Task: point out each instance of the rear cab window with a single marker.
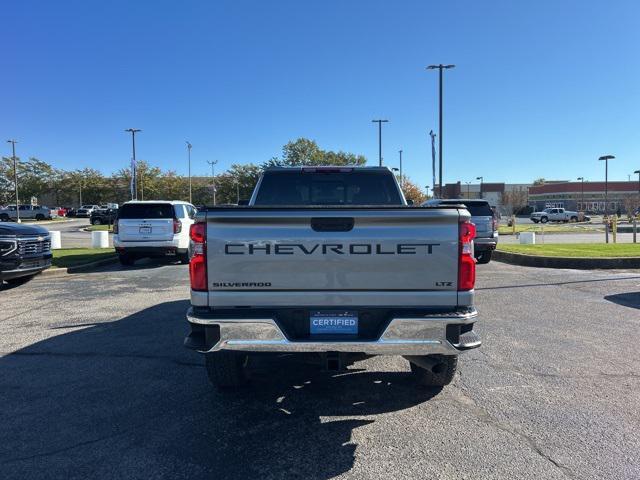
(146, 211)
(476, 209)
(331, 187)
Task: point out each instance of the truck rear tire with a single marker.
(126, 260)
(226, 370)
(441, 371)
(484, 257)
(544, 220)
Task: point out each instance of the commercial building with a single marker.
(505, 197)
(587, 197)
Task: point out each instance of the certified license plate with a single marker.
(333, 322)
(145, 230)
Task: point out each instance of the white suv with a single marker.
(156, 228)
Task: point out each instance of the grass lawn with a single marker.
(71, 257)
(567, 228)
(100, 228)
(576, 249)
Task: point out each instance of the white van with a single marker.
(154, 228)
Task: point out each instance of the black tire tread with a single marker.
(484, 257)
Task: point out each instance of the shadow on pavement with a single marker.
(142, 264)
(631, 299)
(126, 400)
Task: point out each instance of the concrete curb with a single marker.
(580, 263)
(82, 267)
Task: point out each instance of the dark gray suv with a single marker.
(485, 221)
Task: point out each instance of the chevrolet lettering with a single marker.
(329, 248)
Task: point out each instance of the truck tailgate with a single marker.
(332, 256)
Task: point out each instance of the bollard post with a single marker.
(606, 230)
(635, 229)
(56, 240)
(614, 228)
(100, 239)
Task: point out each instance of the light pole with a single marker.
(134, 166)
(606, 159)
(401, 177)
(379, 122)
(468, 191)
(638, 172)
(481, 182)
(427, 191)
(189, 161)
(581, 193)
(440, 68)
(433, 162)
(15, 175)
(213, 178)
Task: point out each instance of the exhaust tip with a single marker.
(439, 368)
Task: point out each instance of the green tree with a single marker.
(305, 152)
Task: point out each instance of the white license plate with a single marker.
(145, 230)
(333, 322)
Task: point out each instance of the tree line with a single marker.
(59, 187)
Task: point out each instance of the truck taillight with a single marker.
(198, 263)
(115, 226)
(466, 262)
(177, 226)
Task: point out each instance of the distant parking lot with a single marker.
(101, 387)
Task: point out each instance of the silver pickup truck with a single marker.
(331, 261)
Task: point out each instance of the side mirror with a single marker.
(410, 202)
(243, 203)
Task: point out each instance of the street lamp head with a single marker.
(637, 171)
(188, 145)
(133, 130)
(395, 169)
(433, 67)
(580, 178)
(480, 178)
(607, 157)
(383, 121)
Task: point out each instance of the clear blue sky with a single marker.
(540, 89)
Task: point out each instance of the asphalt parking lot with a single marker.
(95, 383)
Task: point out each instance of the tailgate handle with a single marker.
(340, 224)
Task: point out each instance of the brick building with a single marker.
(588, 197)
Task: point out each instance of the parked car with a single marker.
(32, 212)
(71, 212)
(332, 261)
(485, 220)
(554, 215)
(25, 250)
(104, 216)
(85, 211)
(59, 211)
(153, 229)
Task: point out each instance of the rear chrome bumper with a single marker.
(423, 335)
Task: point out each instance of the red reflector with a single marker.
(466, 273)
(198, 272)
